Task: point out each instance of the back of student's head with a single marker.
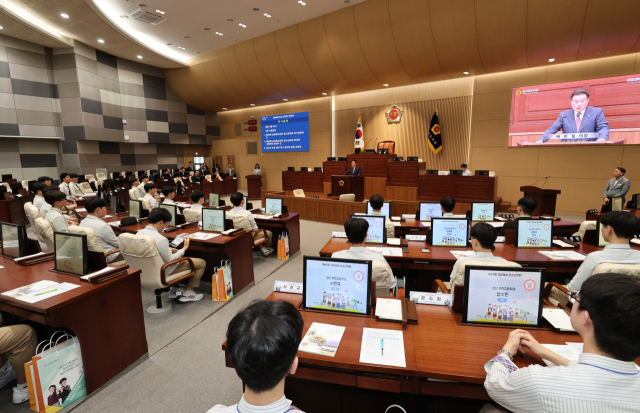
(38, 186)
(159, 214)
(484, 233)
(167, 190)
(447, 203)
(94, 203)
(528, 205)
(263, 341)
(63, 176)
(464, 165)
(143, 177)
(73, 175)
(149, 186)
(196, 196)
(377, 201)
(43, 179)
(51, 197)
(613, 303)
(624, 224)
(236, 199)
(356, 229)
(49, 189)
(133, 180)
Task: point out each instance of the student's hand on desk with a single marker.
(186, 244)
(173, 250)
(514, 342)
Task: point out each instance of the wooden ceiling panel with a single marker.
(294, 61)
(233, 72)
(193, 90)
(173, 78)
(313, 40)
(503, 44)
(603, 30)
(378, 46)
(346, 49)
(411, 25)
(269, 58)
(220, 91)
(248, 61)
(453, 23)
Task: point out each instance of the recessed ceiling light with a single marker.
(552, 60)
(267, 15)
(253, 104)
(286, 100)
(385, 85)
(1, 27)
(100, 41)
(219, 34)
(206, 28)
(324, 93)
(139, 57)
(256, 9)
(506, 66)
(465, 73)
(159, 11)
(302, 2)
(242, 25)
(187, 37)
(604, 52)
(224, 108)
(229, 20)
(65, 15)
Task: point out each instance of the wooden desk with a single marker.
(12, 211)
(405, 173)
(324, 209)
(371, 164)
(333, 168)
(277, 226)
(462, 188)
(107, 317)
(307, 181)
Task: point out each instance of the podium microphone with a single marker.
(545, 182)
(546, 177)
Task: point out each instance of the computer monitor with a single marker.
(114, 204)
(534, 233)
(455, 171)
(128, 173)
(331, 159)
(482, 172)
(398, 158)
(432, 172)
(317, 169)
(600, 240)
(291, 168)
(174, 211)
(6, 177)
(634, 201)
(337, 285)
(342, 158)
(30, 185)
(449, 232)
(377, 233)
(214, 200)
(412, 158)
(213, 219)
(246, 202)
(503, 295)
(134, 208)
(273, 206)
(71, 253)
(386, 209)
(383, 151)
(429, 210)
(482, 211)
(14, 240)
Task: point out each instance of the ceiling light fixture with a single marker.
(552, 60)
(256, 9)
(159, 11)
(385, 85)
(286, 100)
(253, 104)
(206, 28)
(100, 41)
(302, 3)
(65, 15)
(219, 34)
(267, 15)
(224, 108)
(604, 52)
(465, 73)
(139, 57)
(324, 93)
(1, 27)
(242, 25)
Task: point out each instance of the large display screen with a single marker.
(534, 233)
(611, 112)
(376, 234)
(449, 232)
(285, 133)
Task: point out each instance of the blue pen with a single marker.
(382, 346)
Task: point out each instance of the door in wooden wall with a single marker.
(231, 159)
(218, 160)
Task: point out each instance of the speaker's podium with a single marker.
(254, 186)
(546, 199)
(347, 184)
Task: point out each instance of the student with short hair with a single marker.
(525, 208)
(190, 168)
(153, 176)
(45, 180)
(65, 180)
(618, 227)
(606, 314)
(197, 198)
(356, 229)
(144, 179)
(46, 206)
(158, 220)
(237, 200)
(151, 191)
(74, 186)
(96, 210)
(133, 181)
(377, 202)
(57, 200)
(169, 193)
(482, 237)
(263, 341)
(447, 203)
(38, 199)
(465, 171)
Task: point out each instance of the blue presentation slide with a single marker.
(509, 296)
(481, 211)
(337, 286)
(429, 210)
(449, 232)
(384, 211)
(285, 133)
(534, 233)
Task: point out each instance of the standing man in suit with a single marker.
(190, 168)
(581, 118)
(617, 186)
(354, 170)
(230, 170)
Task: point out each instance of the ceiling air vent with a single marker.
(147, 17)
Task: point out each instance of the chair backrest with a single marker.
(348, 197)
(145, 204)
(92, 239)
(90, 178)
(586, 225)
(208, 177)
(298, 193)
(459, 276)
(44, 232)
(239, 221)
(192, 215)
(7, 185)
(86, 187)
(609, 268)
(390, 145)
(177, 178)
(32, 212)
(133, 194)
(101, 176)
(382, 276)
(141, 251)
(25, 185)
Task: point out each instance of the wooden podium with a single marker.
(254, 186)
(546, 199)
(347, 184)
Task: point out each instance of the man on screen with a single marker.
(580, 118)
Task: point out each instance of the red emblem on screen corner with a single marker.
(546, 226)
(529, 285)
(462, 226)
(358, 276)
(378, 224)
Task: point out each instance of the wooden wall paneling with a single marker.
(495, 105)
(592, 69)
(233, 71)
(412, 33)
(374, 186)
(503, 44)
(403, 207)
(294, 62)
(589, 163)
(401, 193)
(248, 60)
(505, 82)
(454, 30)
(488, 133)
(173, 78)
(346, 50)
(377, 42)
(508, 161)
(327, 187)
(269, 59)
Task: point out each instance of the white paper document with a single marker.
(397, 224)
(393, 241)
(425, 224)
(636, 241)
(564, 255)
(383, 347)
(501, 219)
(378, 250)
(108, 216)
(263, 216)
(563, 351)
(409, 216)
(496, 224)
(39, 291)
(558, 318)
(80, 209)
(114, 224)
(389, 308)
(203, 236)
(562, 244)
(462, 254)
(396, 218)
(392, 252)
(336, 234)
(322, 339)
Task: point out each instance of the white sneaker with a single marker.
(267, 251)
(175, 292)
(8, 377)
(190, 296)
(20, 396)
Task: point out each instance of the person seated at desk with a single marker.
(38, 198)
(96, 210)
(57, 200)
(606, 314)
(618, 227)
(262, 342)
(237, 200)
(45, 206)
(150, 195)
(190, 168)
(465, 171)
(183, 172)
(197, 198)
(74, 186)
(169, 193)
(482, 237)
(354, 170)
(356, 229)
(135, 183)
(18, 343)
(447, 203)
(153, 176)
(196, 178)
(158, 220)
(377, 202)
(618, 186)
(65, 180)
(144, 179)
(45, 180)
(524, 209)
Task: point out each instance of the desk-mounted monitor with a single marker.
(273, 206)
(331, 159)
(317, 169)
(6, 177)
(135, 209)
(600, 240)
(429, 210)
(483, 211)
(432, 172)
(173, 209)
(213, 219)
(214, 200)
(383, 151)
(482, 172)
(449, 232)
(291, 168)
(534, 233)
(14, 240)
(377, 233)
(455, 171)
(342, 158)
(71, 253)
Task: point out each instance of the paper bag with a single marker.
(228, 280)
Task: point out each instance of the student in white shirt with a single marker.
(524, 209)
(197, 199)
(482, 238)
(144, 179)
(239, 208)
(65, 179)
(133, 181)
(465, 171)
(150, 195)
(158, 220)
(45, 180)
(377, 202)
(262, 341)
(45, 206)
(57, 200)
(618, 227)
(96, 210)
(38, 199)
(169, 193)
(76, 191)
(606, 314)
(447, 203)
(356, 229)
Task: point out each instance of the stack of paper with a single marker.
(392, 252)
(397, 224)
(636, 241)
(396, 218)
(562, 244)
(384, 347)
(114, 224)
(389, 308)
(462, 254)
(39, 291)
(336, 234)
(409, 216)
(203, 236)
(393, 241)
(558, 318)
(425, 224)
(375, 249)
(322, 339)
(563, 351)
(263, 216)
(496, 224)
(564, 255)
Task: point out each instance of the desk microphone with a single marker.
(546, 177)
